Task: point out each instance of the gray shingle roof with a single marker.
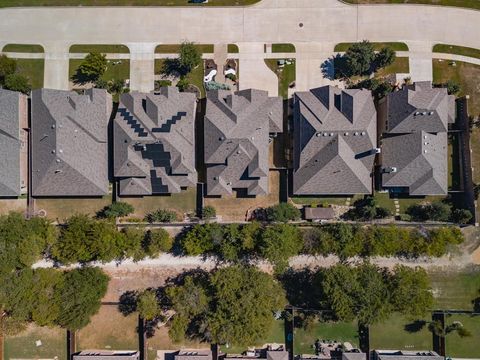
(154, 142)
(237, 128)
(419, 107)
(69, 142)
(406, 355)
(10, 143)
(420, 159)
(106, 355)
(334, 141)
(414, 148)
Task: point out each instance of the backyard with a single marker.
(59, 209)
(183, 202)
(53, 344)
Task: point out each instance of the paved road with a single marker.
(313, 26)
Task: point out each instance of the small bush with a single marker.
(161, 215)
(208, 212)
(157, 241)
(116, 209)
(283, 212)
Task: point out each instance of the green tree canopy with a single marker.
(385, 57)
(283, 212)
(116, 209)
(189, 57)
(280, 242)
(147, 305)
(233, 305)
(17, 82)
(359, 58)
(81, 296)
(91, 69)
(157, 241)
(7, 67)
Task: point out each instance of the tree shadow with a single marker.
(476, 304)
(79, 78)
(128, 302)
(300, 287)
(335, 68)
(415, 326)
(172, 67)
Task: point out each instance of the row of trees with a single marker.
(277, 243)
(238, 304)
(84, 239)
(439, 211)
(10, 79)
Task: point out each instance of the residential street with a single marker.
(313, 26)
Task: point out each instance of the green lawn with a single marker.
(122, 49)
(184, 202)
(285, 74)
(304, 340)
(397, 46)
(455, 290)
(408, 201)
(458, 50)
(62, 208)
(395, 333)
(385, 200)
(23, 346)
(232, 48)
(399, 66)
(33, 69)
(11, 3)
(23, 48)
(120, 71)
(195, 77)
(283, 48)
(174, 48)
(466, 347)
(474, 4)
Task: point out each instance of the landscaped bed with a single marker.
(195, 77)
(53, 344)
(397, 46)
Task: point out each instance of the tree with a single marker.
(81, 296)
(116, 209)
(182, 84)
(283, 212)
(188, 57)
(84, 239)
(161, 215)
(359, 58)
(17, 82)
(461, 216)
(91, 69)
(201, 239)
(7, 67)
(278, 243)
(22, 242)
(134, 243)
(208, 212)
(436, 211)
(233, 305)
(411, 292)
(157, 241)
(379, 88)
(367, 209)
(147, 305)
(385, 57)
(47, 285)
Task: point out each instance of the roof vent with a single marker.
(53, 151)
(53, 126)
(416, 113)
(215, 178)
(58, 160)
(425, 143)
(424, 151)
(229, 183)
(239, 152)
(318, 134)
(424, 136)
(355, 133)
(430, 113)
(325, 134)
(58, 171)
(253, 138)
(363, 133)
(346, 134)
(331, 134)
(60, 151)
(221, 138)
(424, 113)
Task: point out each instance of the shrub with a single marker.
(436, 211)
(161, 215)
(283, 212)
(157, 241)
(116, 209)
(7, 67)
(17, 82)
(147, 305)
(461, 216)
(209, 212)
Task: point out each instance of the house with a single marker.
(154, 142)
(405, 355)
(237, 131)
(13, 143)
(69, 142)
(335, 134)
(414, 125)
(319, 213)
(106, 355)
